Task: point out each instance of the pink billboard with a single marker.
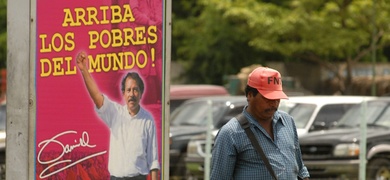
(99, 84)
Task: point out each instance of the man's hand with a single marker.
(81, 61)
(154, 174)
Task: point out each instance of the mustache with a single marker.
(271, 109)
(132, 99)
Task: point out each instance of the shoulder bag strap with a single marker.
(245, 125)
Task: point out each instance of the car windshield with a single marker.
(302, 113)
(196, 113)
(377, 113)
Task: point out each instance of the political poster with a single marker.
(82, 136)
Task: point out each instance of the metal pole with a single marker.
(363, 141)
(20, 94)
(373, 48)
(208, 141)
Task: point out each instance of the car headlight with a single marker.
(344, 150)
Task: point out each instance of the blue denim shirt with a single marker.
(234, 157)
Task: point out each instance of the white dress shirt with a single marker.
(133, 143)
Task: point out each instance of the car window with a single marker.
(384, 119)
(353, 116)
(329, 114)
(175, 104)
(302, 113)
(233, 111)
(196, 113)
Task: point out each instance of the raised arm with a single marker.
(90, 83)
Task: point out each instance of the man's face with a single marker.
(132, 95)
(264, 108)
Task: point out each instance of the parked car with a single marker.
(191, 119)
(182, 92)
(334, 154)
(311, 113)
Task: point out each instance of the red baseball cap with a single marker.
(268, 82)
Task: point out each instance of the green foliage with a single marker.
(212, 38)
(3, 34)
(209, 45)
(333, 30)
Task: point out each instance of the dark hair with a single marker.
(251, 89)
(136, 77)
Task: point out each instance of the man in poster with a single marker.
(133, 150)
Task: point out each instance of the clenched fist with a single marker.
(81, 61)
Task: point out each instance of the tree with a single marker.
(321, 31)
(324, 31)
(208, 44)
